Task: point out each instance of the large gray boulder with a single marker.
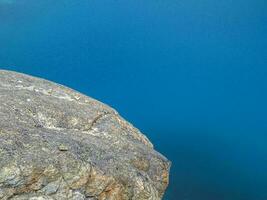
(56, 143)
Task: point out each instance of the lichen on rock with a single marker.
(56, 143)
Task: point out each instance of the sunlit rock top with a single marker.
(56, 143)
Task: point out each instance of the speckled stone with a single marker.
(56, 143)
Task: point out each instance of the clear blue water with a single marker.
(190, 74)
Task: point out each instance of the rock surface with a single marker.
(56, 143)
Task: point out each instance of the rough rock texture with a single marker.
(56, 143)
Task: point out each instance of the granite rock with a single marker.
(56, 143)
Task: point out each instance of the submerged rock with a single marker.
(56, 143)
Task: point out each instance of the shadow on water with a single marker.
(208, 166)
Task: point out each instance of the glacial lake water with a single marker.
(189, 74)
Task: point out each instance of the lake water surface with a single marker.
(192, 75)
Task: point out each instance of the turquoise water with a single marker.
(190, 74)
